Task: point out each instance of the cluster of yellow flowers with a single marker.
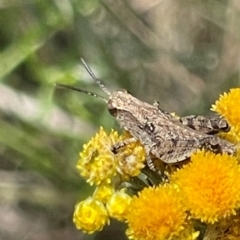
(200, 200)
(106, 170)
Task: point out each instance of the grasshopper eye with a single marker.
(113, 111)
(112, 107)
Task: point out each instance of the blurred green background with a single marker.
(182, 53)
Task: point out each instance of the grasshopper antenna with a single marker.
(96, 80)
(81, 91)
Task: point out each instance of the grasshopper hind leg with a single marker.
(208, 125)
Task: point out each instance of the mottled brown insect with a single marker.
(167, 137)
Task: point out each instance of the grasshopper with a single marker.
(163, 135)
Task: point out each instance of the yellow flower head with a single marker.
(103, 192)
(188, 233)
(130, 160)
(97, 162)
(210, 185)
(228, 107)
(156, 214)
(118, 205)
(90, 215)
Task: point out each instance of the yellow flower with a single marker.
(97, 162)
(210, 185)
(118, 204)
(130, 160)
(228, 107)
(156, 214)
(90, 215)
(103, 192)
(188, 233)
